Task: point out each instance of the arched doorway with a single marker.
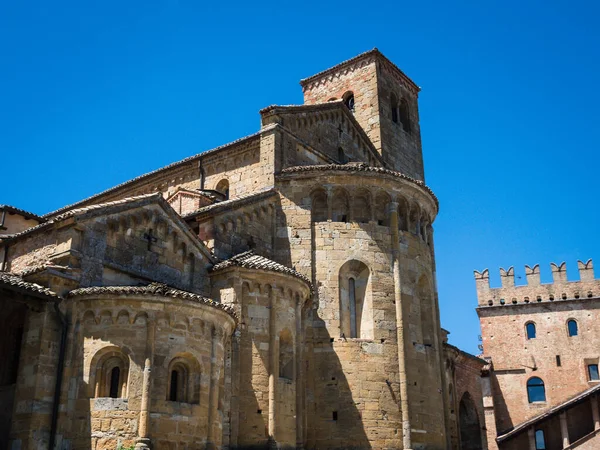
(470, 430)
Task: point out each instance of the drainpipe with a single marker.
(202, 175)
(59, 374)
(406, 431)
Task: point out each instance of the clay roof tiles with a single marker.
(16, 282)
(359, 167)
(159, 289)
(250, 260)
(231, 203)
(22, 212)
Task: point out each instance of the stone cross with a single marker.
(151, 239)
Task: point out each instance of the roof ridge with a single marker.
(22, 212)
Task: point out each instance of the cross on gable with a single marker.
(340, 130)
(150, 238)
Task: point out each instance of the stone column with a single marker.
(273, 370)
(298, 373)
(406, 430)
(213, 393)
(595, 414)
(564, 429)
(143, 440)
(531, 436)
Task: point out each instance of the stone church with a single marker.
(278, 291)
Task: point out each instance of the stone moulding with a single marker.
(152, 289)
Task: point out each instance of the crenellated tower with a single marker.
(383, 100)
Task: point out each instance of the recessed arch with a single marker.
(361, 206)
(382, 206)
(356, 309)
(340, 205)
(183, 382)
(319, 206)
(470, 428)
(109, 370)
(223, 187)
(348, 98)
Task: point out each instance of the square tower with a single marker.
(384, 102)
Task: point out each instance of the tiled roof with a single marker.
(146, 175)
(550, 412)
(359, 167)
(16, 282)
(348, 62)
(22, 212)
(151, 289)
(232, 203)
(78, 211)
(250, 260)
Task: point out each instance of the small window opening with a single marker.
(352, 296)
(530, 328)
(259, 411)
(334, 415)
(536, 391)
(540, 441)
(394, 107)
(115, 378)
(341, 156)
(558, 361)
(173, 390)
(593, 372)
(572, 327)
(349, 100)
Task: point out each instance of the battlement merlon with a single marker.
(534, 291)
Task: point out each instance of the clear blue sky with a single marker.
(95, 93)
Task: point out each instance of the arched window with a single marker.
(223, 188)
(394, 107)
(349, 100)
(183, 383)
(540, 441)
(319, 206)
(530, 330)
(572, 327)
(286, 355)
(536, 392)
(405, 115)
(356, 314)
(110, 367)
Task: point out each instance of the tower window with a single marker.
(530, 329)
(394, 107)
(536, 391)
(405, 115)
(593, 372)
(572, 327)
(540, 441)
(349, 100)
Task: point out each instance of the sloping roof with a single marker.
(523, 426)
(151, 289)
(359, 167)
(22, 212)
(154, 172)
(374, 52)
(332, 105)
(233, 203)
(15, 282)
(250, 260)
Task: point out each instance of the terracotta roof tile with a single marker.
(232, 203)
(16, 282)
(151, 289)
(250, 260)
(26, 214)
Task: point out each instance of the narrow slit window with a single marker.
(173, 390)
(352, 297)
(558, 364)
(115, 378)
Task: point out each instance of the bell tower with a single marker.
(383, 100)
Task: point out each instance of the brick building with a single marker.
(275, 292)
(542, 340)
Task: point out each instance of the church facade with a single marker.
(275, 292)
